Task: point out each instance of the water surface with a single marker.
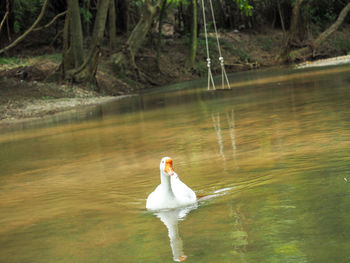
(273, 154)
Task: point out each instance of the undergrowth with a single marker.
(12, 62)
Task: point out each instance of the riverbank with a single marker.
(27, 90)
(24, 100)
(17, 106)
(18, 111)
(340, 60)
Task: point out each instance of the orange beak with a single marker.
(182, 258)
(169, 167)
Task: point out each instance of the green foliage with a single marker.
(242, 54)
(214, 53)
(57, 57)
(342, 44)
(47, 98)
(92, 86)
(202, 67)
(322, 12)
(226, 44)
(137, 3)
(25, 13)
(212, 44)
(12, 62)
(177, 2)
(86, 15)
(245, 7)
(16, 26)
(266, 44)
(239, 51)
(9, 61)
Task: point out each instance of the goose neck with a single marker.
(165, 182)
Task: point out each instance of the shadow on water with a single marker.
(272, 154)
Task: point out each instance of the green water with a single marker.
(273, 154)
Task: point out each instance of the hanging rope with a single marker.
(221, 58)
(210, 75)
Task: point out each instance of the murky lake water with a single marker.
(274, 154)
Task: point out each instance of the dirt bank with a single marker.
(16, 111)
(20, 100)
(25, 92)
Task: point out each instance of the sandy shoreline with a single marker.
(36, 109)
(325, 62)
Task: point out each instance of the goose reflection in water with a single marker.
(171, 219)
(171, 201)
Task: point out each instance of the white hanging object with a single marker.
(224, 78)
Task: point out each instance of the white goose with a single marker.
(171, 193)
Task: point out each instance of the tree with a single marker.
(83, 70)
(291, 37)
(311, 49)
(73, 53)
(163, 9)
(125, 59)
(112, 25)
(29, 30)
(287, 54)
(193, 43)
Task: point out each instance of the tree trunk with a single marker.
(281, 16)
(74, 67)
(193, 44)
(112, 25)
(178, 25)
(310, 50)
(140, 32)
(125, 60)
(87, 71)
(160, 26)
(67, 61)
(73, 52)
(86, 23)
(292, 34)
(76, 33)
